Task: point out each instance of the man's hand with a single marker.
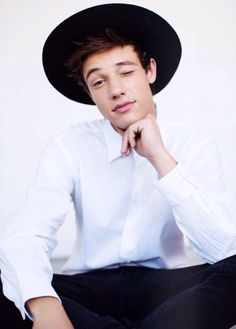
(48, 313)
(144, 136)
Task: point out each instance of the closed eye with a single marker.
(127, 72)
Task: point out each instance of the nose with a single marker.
(116, 87)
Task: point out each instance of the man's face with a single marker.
(119, 85)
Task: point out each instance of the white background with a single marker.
(202, 93)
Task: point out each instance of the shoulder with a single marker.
(74, 139)
(66, 148)
(186, 141)
(76, 136)
(81, 130)
(180, 132)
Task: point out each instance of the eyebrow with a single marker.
(117, 64)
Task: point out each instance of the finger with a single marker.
(125, 148)
(125, 143)
(131, 137)
(129, 140)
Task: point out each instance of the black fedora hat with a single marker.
(147, 28)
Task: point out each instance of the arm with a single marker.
(28, 243)
(194, 187)
(47, 310)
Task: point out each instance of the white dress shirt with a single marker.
(125, 214)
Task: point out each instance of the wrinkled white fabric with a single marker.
(125, 214)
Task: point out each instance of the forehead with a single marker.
(111, 57)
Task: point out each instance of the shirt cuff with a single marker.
(177, 185)
(39, 292)
(32, 288)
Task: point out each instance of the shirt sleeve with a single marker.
(27, 244)
(195, 191)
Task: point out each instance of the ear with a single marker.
(152, 70)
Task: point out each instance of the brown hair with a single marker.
(97, 43)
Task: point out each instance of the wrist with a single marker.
(42, 304)
(48, 310)
(163, 162)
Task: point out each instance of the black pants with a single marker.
(197, 297)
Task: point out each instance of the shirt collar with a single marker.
(113, 141)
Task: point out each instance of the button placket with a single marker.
(128, 242)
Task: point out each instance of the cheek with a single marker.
(141, 84)
(96, 98)
(98, 95)
(101, 104)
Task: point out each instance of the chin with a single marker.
(127, 121)
(125, 125)
(133, 119)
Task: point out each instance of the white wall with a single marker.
(203, 92)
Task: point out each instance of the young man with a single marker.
(138, 186)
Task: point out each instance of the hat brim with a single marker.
(147, 28)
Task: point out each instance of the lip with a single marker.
(123, 107)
